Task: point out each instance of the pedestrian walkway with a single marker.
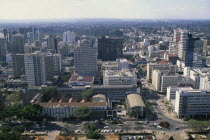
(52, 135)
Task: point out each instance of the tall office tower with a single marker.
(18, 64)
(69, 37)
(195, 52)
(35, 68)
(52, 65)
(85, 57)
(35, 34)
(4, 33)
(177, 37)
(52, 44)
(109, 49)
(3, 49)
(17, 43)
(24, 32)
(30, 48)
(183, 45)
(30, 37)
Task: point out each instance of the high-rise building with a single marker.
(35, 34)
(24, 31)
(195, 52)
(177, 37)
(18, 64)
(182, 45)
(3, 49)
(52, 44)
(35, 68)
(17, 44)
(4, 33)
(69, 37)
(109, 49)
(85, 57)
(30, 48)
(52, 65)
(30, 38)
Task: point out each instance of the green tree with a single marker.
(166, 103)
(5, 129)
(198, 125)
(10, 136)
(82, 113)
(44, 121)
(171, 138)
(87, 94)
(48, 93)
(19, 129)
(130, 113)
(14, 97)
(12, 110)
(169, 109)
(31, 112)
(92, 133)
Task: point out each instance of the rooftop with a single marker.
(77, 78)
(135, 100)
(73, 104)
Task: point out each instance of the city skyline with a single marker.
(122, 9)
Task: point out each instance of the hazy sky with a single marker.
(141, 9)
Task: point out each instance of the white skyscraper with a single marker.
(35, 68)
(85, 57)
(69, 37)
(182, 45)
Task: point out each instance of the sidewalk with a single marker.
(52, 135)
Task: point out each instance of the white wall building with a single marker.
(119, 77)
(122, 63)
(153, 66)
(64, 109)
(182, 45)
(69, 37)
(35, 68)
(171, 91)
(192, 102)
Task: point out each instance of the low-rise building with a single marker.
(136, 104)
(78, 80)
(171, 91)
(62, 110)
(162, 67)
(119, 77)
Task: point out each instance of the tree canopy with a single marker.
(31, 111)
(48, 93)
(87, 94)
(92, 133)
(17, 110)
(8, 133)
(198, 125)
(82, 113)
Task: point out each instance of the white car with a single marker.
(159, 127)
(77, 131)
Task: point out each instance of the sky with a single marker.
(123, 9)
